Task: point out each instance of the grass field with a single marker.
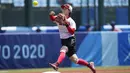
(121, 69)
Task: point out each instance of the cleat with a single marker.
(92, 67)
(54, 66)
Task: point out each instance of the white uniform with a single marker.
(64, 33)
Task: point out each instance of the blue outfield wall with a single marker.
(36, 50)
(124, 48)
(90, 49)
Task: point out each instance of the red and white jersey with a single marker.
(64, 34)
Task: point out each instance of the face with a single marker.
(65, 11)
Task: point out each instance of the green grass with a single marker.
(63, 69)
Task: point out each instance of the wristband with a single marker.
(67, 24)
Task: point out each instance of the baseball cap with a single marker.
(67, 6)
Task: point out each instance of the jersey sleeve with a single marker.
(72, 24)
(52, 17)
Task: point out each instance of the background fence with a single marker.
(15, 12)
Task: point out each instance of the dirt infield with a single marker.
(100, 71)
(118, 69)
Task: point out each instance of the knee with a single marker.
(64, 49)
(75, 60)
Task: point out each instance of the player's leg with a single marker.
(61, 57)
(76, 60)
(63, 51)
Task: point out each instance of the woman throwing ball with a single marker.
(67, 27)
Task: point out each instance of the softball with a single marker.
(35, 3)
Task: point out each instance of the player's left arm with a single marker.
(71, 27)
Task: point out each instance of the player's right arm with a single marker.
(53, 16)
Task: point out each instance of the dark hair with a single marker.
(70, 14)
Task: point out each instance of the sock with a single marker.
(61, 57)
(83, 62)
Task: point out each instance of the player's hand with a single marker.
(61, 18)
(52, 13)
(52, 16)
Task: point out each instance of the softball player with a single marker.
(67, 27)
